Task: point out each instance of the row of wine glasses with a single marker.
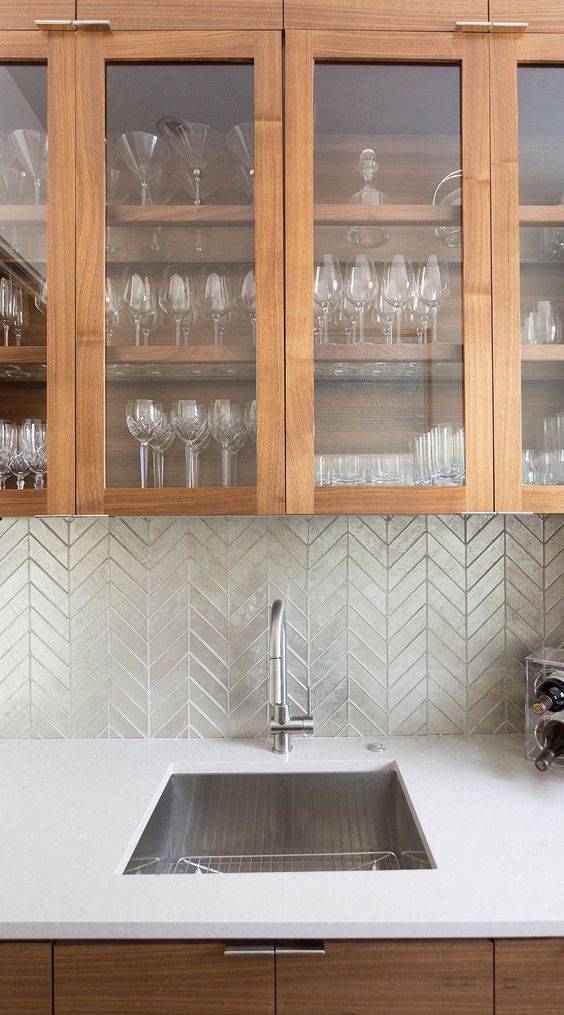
(227, 422)
(14, 309)
(199, 148)
(542, 325)
(360, 291)
(23, 153)
(23, 450)
(214, 296)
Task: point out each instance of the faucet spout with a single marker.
(282, 724)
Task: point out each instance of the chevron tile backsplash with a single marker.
(157, 627)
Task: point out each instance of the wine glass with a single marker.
(360, 287)
(40, 299)
(241, 143)
(31, 147)
(138, 298)
(8, 444)
(163, 438)
(418, 315)
(250, 419)
(190, 423)
(111, 308)
(398, 283)
(21, 312)
(433, 284)
(216, 298)
(143, 418)
(383, 314)
(176, 297)
(7, 306)
(248, 297)
(144, 154)
(227, 427)
(198, 144)
(34, 440)
(327, 289)
(19, 465)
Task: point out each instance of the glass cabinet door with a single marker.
(188, 411)
(388, 322)
(528, 258)
(36, 275)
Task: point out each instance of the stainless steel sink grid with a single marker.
(275, 823)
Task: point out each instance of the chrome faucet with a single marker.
(282, 724)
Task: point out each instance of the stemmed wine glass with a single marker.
(7, 306)
(398, 283)
(190, 423)
(327, 289)
(198, 144)
(197, 186)
(111, 309)
(143, 418)
(144, 154)
(248, 297)
(19, 465)
(34, 440)
(251, 419)
(163, 439)
(433, 284)
(418, 315)
(40, 299)
(8, 444)
(138, 299)
(361, 287)
(176, 298)
(21, 313)
(216, 298)
(31, 147)
(227, 427)
(241, 143)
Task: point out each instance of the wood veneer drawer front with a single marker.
(161, 978)
(25, 978)
(18, 15)
(137, 15)
(388, 978)
(540, 15)
(382, 15)
(529, 976)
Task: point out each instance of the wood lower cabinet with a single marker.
(25, 978)
(529, 976)
(161, 979)
(387, 978)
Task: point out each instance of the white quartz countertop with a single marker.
(71, 811)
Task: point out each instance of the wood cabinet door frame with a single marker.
(94, 49)
(56, 49)
(471, 52)
(508, 52)
(536, 16)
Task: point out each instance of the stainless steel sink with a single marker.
(253, 823)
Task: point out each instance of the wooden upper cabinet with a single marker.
(539, 15)
(388, 978)
(383, 15)
(168, 15)
(25, 978)
(16, 15)
(161, 978)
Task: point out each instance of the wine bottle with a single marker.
(550, 695)
(552, 742)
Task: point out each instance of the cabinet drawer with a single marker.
(184, 14)
(382, 15)
(542, 16)
(25, 978)
(19, 15)
(529, 976)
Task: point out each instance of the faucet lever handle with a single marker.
(309, 702)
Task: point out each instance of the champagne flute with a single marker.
(398, 283)
(143, 418)
(361, 287)
(433, 284)
(176, 297)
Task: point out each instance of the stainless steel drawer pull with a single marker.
(92, 24)
(315, 948)
(473, 26)
(62, 24)
(510, 26)
(248, 950)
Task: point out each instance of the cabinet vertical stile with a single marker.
(527, 77)
(180, 345)
(36, 273)
(388, 287)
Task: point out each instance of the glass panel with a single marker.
(388, 334)
(180, 291)
(23, 274)
(541, 184)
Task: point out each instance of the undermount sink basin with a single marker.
(257, 823)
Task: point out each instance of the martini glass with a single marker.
(31, 148)
(198, 145)
(144, 154)
(241, 143)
